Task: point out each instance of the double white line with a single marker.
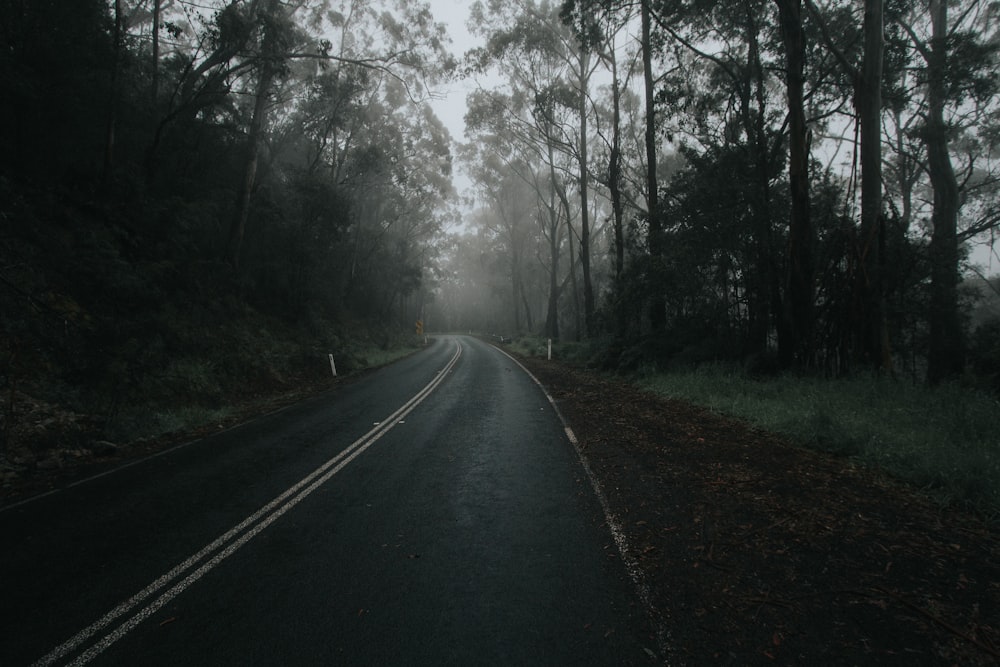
(192, 569)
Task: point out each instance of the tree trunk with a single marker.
(529, 321)
(574, 288)
(515, 287)
(588, 287)
(797, 346)
(155, 85)
(905, 171)
(874, 336)
(615, 175)
(615, 190)
(946, 356)
(237, 227)
(658, 310)
(759, 299)
(552, 317)
(571, 277)
(112, 125)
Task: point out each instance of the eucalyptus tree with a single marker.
(657, 311)
(402, 47)
(865, 72)
(274, 34)
(953, 46)
(398, 176)
(474, 291)
(602, 29)
(519, 129)
(723, 107)
(536, 118)
(615, 181)
(584, 68)
(525, 30)
(510, 225)
(800, 289)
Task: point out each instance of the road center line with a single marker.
(227, 544)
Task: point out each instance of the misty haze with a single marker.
(499, 331)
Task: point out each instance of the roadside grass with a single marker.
(373, 356)
(278, 370)
(536, 346)
(945, 440)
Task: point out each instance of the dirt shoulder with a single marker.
(759, 552)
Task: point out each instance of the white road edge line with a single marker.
(255, 523)
(624, 550)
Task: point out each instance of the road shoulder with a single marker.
(756, 550)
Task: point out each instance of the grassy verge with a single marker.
(535, 346)
(943, 439)
(278, 371)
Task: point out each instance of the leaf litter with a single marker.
(756, 550)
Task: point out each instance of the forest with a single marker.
(201, 200)
(784, 184)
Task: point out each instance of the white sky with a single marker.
(450, 105)
(451, 109)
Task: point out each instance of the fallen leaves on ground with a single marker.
(757, 551)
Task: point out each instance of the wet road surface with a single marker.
(433, 512)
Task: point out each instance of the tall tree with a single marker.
(275, 41)
(959, 58)
(868, 99)
(797, 342)
(539, 117)
(112, 123)
(736, 59)
(597, 25)
(657, 312)
(536, 31)
(154, 88)
(872, 333)
(583, 77)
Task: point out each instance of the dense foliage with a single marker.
(199, 204)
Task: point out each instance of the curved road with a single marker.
(433, 512)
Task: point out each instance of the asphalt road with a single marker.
(433, 512)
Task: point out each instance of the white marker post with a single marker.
(550, 349)
(333, 366)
